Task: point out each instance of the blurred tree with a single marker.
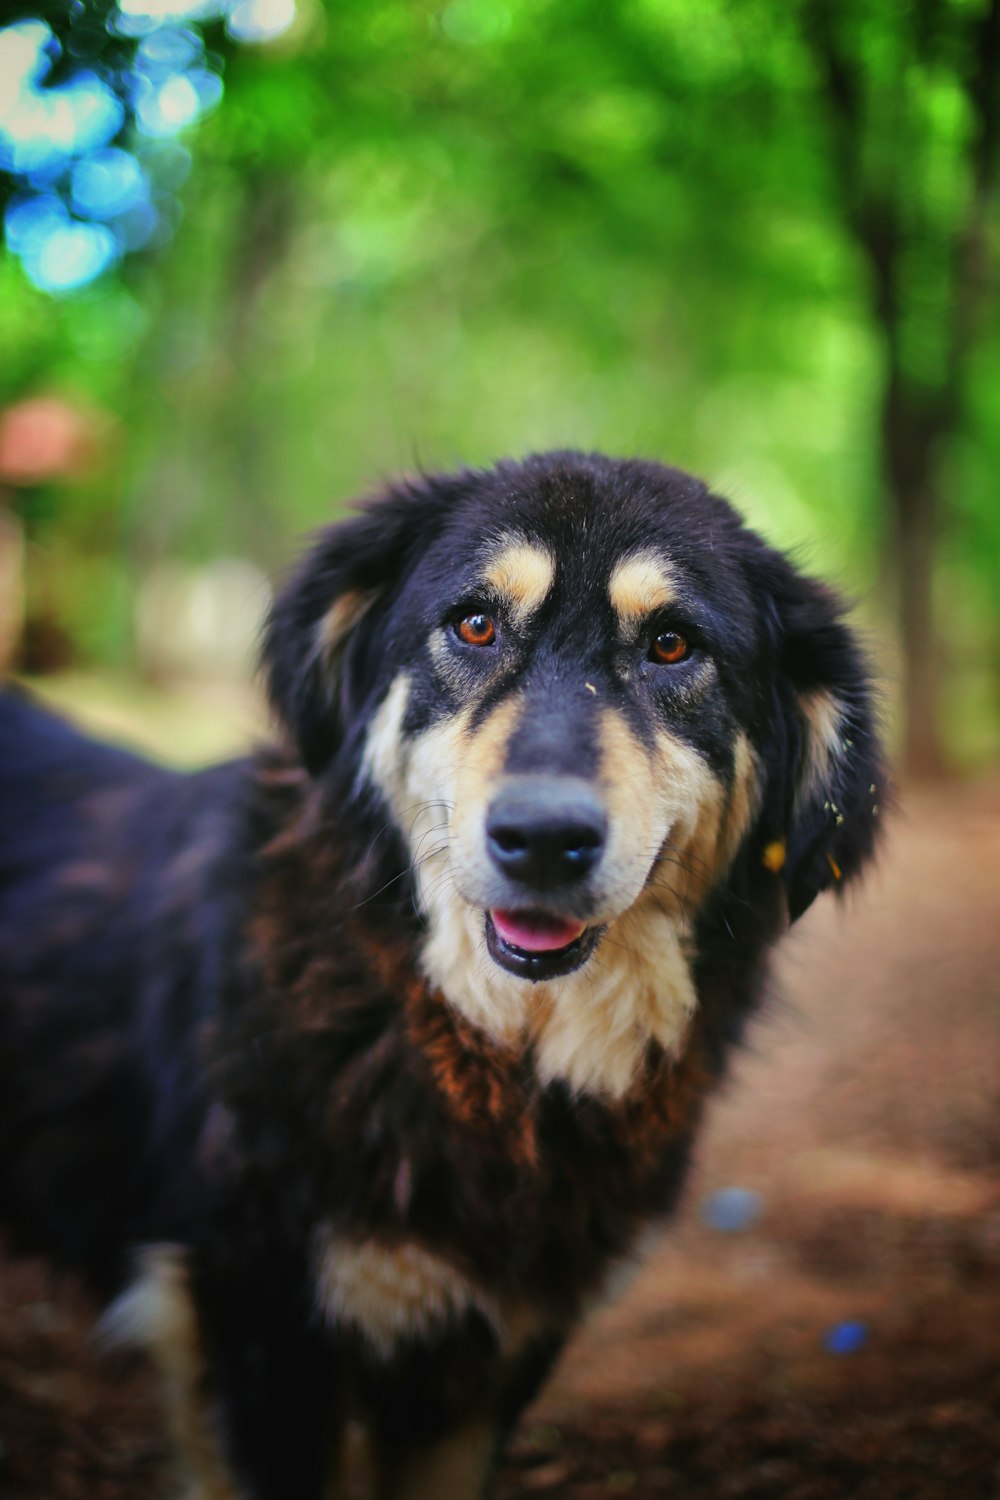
(912, 95)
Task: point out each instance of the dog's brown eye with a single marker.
(669, 648)
(476, 630)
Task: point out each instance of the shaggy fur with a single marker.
(277, 1069)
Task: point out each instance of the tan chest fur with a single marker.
(394, 1294)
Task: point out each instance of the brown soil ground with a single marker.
(866, 1114)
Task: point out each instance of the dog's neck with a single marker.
(590, 1029)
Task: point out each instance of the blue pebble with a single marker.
(845, 1338)
(732, 1210)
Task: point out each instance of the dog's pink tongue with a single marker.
(533, 931)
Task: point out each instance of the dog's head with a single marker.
(585, 693)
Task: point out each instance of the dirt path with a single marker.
(865, 1117)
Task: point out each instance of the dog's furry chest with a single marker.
(446, 1178)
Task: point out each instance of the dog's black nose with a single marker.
(546, 831)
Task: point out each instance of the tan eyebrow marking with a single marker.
(522, 573)
(639, 585)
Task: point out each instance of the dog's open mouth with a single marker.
(534, 945)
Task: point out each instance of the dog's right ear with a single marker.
(318, 619)
(825, 774)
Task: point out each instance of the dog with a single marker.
(353, 1069)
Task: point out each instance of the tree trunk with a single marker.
(922, 751)
(910, 444)
(916, 425)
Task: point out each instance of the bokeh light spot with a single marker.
(260, 20)
(84, 197)
(69, 255)
(168, 50)
(138, 227)
(27, 50)
(40, 129)
(152, 13)
(108, 183)
(165, 108)
(30, 219)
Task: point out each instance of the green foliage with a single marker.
(422, 233)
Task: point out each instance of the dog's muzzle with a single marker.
(545, 836)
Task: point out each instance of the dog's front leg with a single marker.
(420, 1453)
(249, 1382)
(158, 1314)
(456, 1466)
(277, 1396)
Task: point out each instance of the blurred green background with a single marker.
(756, 238)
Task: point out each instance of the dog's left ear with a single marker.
(824, 773)
(321, 626)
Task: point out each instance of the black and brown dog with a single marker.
(368, 1057)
